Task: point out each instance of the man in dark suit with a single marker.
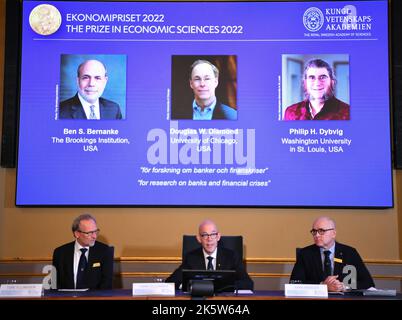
(212, 256)
(87, 103)
(323, 262)
(203, 81)
(85, 262)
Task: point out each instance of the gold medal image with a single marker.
(45, 19)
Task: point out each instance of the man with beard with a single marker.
(87, 103)
(85, 262)
(320, 103)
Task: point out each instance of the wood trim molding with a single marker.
(166, 274)
(178, 259)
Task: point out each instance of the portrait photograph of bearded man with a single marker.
(321, 96)
(92, 87)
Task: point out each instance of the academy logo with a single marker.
(313, 19)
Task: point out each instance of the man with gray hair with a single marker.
(85, 262)
(87, 103)
(324, 261)
(320, 103)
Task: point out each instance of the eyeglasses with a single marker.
(212, 235)
(90, 233)
(319, 231)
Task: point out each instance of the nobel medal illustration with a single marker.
(45, 19)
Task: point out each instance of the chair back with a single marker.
(234, 243)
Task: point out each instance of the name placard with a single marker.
(21, 290)
(153, 289)
(306, 290)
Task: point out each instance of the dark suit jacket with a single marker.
(221, 112)
(308, 267)
(226, 259)
(99, 271)
(72, 109)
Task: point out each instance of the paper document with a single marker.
(244, 292)
(379, 292)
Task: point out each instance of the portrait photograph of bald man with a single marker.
(92, 87)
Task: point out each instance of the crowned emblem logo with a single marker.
(313, 19)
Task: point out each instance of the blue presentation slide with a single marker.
(264, 104)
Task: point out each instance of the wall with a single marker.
(156, 232)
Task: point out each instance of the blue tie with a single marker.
(82, 267)
(210, 265)
(327, 264)
(92, 114)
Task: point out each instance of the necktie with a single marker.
(92, 114)
(210, 266)
(82, 266)
(327, 264)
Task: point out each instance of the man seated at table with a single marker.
(323, 262)
(210, 256)
(85, 262)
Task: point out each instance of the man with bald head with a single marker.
(323, 262)
(88, 103)
(212, 256)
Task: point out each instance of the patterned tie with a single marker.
(82, 266)
(327, 264)
(92, 115)
(210, 266)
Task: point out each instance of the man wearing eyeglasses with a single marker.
(85, 262)
(212, 257)
(204, 79)
(323, 262)
(320, 104)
